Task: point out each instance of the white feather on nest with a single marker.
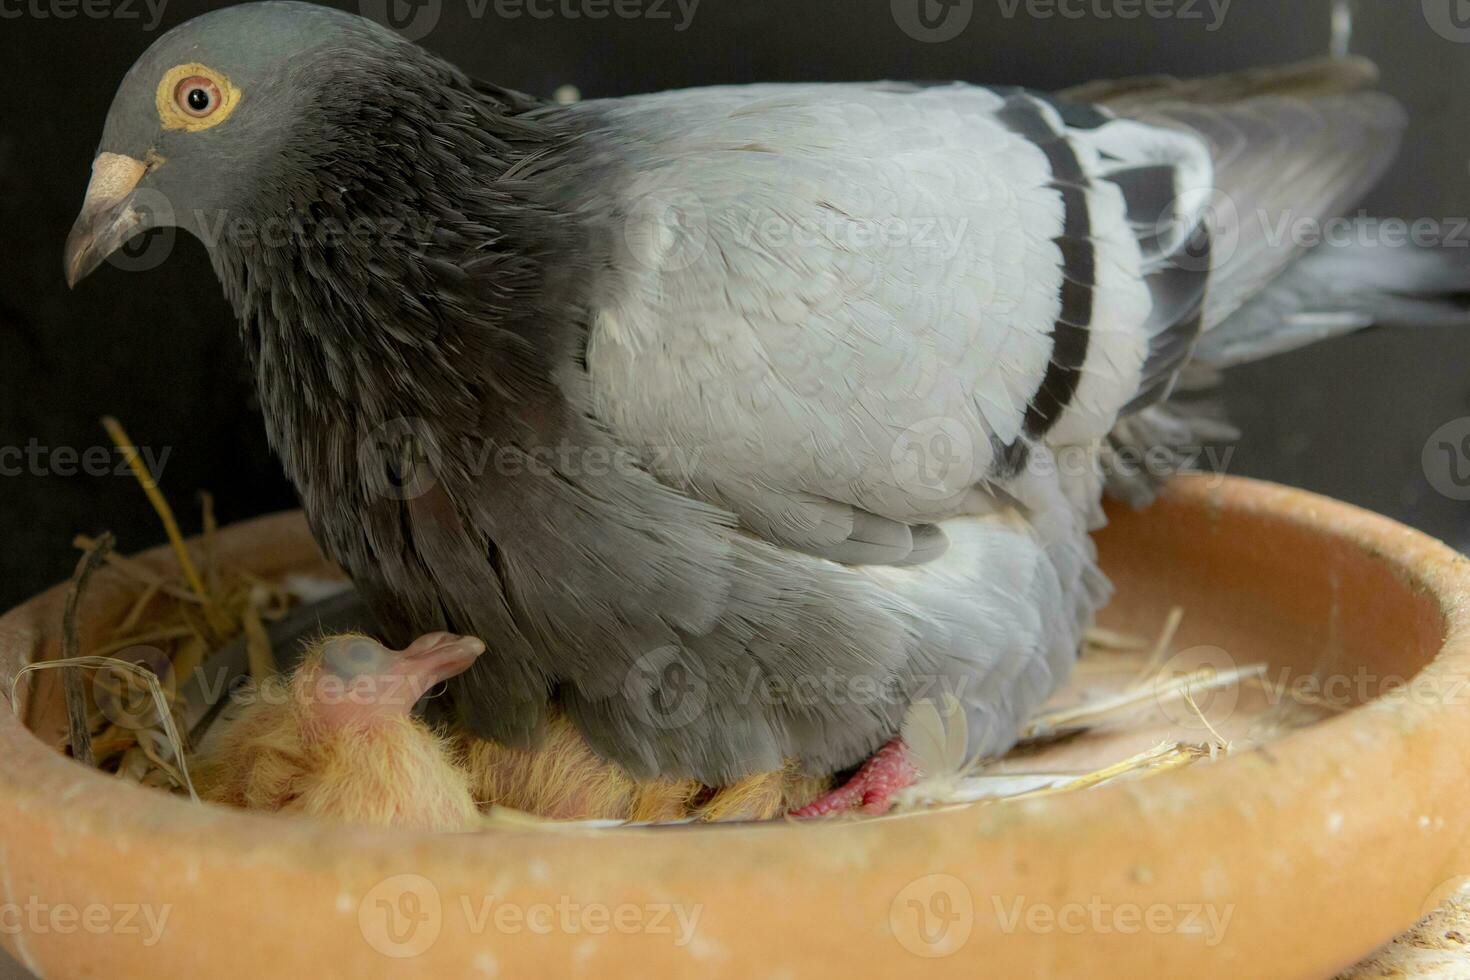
(936, 732)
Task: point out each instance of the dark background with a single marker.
(158, 348)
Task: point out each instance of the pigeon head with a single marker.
(377, 218)
(226, 110)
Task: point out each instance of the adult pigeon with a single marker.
(736, 420)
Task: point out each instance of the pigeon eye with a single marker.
(197, 96)
(194, 97)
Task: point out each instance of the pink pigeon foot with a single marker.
(872, 789)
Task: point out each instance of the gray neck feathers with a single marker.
(411, 259)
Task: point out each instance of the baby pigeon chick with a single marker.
(338, 739)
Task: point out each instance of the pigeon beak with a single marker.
(108, 218)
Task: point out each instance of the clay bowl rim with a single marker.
(36, 779)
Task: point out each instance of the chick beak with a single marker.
(108, 218)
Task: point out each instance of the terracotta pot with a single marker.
(1292, 861)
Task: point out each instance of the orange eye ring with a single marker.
(197, 97)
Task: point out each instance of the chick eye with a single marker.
(197, 96)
